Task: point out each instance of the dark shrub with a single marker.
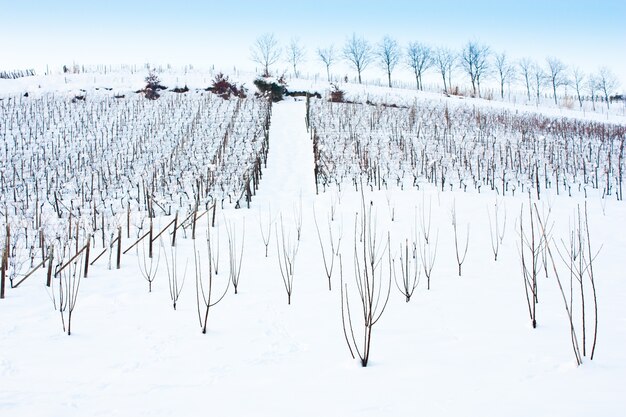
(226, 89)
(153, 86)
(271, 89)
(180, 90)
(336, 95)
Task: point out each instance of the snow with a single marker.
(464, 347)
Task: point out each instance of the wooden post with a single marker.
(150, 240)
(3, 273)
(77, 234)
(214, 210)
(174, 233)
(193, 225)
(87, 246)
(7, 249)
(50, 259)
(119, 247)
(41, 245)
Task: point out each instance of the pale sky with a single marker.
(34, 33)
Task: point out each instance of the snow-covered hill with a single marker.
(465, 346)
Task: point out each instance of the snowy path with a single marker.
(289, 172)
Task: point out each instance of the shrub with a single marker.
(336, 95)
(224, 88)
(270, 88)
(180, 90)
(152, 80)
(153, 86)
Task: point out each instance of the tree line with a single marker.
(476, 61)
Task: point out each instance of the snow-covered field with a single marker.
(466, 346)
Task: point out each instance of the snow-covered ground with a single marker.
(464, 347)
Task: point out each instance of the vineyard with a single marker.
(460, 147)
(445, 245)
(107, 163)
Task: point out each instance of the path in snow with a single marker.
(289, 173)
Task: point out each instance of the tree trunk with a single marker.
(538, 94)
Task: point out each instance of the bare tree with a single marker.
(419, 58)
(459, 258)
(373, 288)
(556, 74)
(574, 256)
(147, 266)
(579, 79)
(475, 62)
(235, 261)
(328, 57)
(204, 290)
(533, 241)
(388, 53)
(266, 235)
(607, 83)
(287, 249)
(496, 230)
(329, 260)
(427, 253)
(592, 84)
(265, 51)
(171, 265)
(506, 71)
(358, 52)
(409, 271)
(578, 259)
(526, 67)
(69, 283)
(296, 54)
(444, 60)
(539, 79)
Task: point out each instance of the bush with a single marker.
(271, 88)
(180, 90)
(226, 89)
(151, 94)
(336, 95)
(152, 80)
(303, 94)
(153, 86)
